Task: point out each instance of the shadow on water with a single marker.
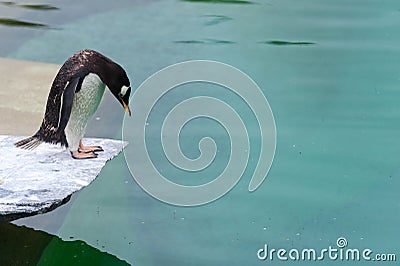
(240, 2)
(24, 246)
(277, 42)
(205, 41)
(31, 6)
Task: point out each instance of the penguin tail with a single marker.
(28, 143)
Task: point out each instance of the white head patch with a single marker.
(124, 89)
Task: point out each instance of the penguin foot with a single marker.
(89, 149)
(83, 155)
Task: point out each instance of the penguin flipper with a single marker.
(67, 101)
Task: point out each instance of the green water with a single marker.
(330, 71)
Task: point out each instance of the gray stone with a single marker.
(39, 180)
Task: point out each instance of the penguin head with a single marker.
(119, 85)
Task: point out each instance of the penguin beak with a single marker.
(124, 99)
(126, 107)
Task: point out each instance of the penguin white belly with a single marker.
(84, 106)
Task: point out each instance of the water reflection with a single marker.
(278, 42)
(220, 1)
(20, 23)
(21, 245)
(11, 22)
(216, 19)
(205, 41)
(42, 7)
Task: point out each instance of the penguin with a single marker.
(74, 96)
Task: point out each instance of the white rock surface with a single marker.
(36, 181)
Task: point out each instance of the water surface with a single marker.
(330, 70)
